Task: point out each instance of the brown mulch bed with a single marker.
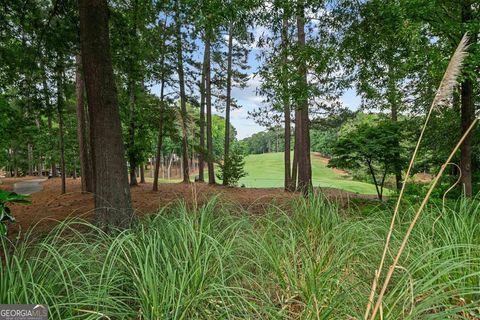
(49, 205)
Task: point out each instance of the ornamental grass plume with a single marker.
(443, 94)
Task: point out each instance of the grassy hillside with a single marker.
(266, 171)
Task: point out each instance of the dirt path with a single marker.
(49, 205)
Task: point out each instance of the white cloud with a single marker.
(249, 100)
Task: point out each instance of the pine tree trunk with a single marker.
(183, 102)
(162, 166)
(30, 159)
(201, 155)
(142, 173)
(15, 165)
(467, 117)
(132, 157)
(228, 105)
(392, 97)
(304, 164)
(397, 161)
(208, 96)
(82, 133)
(53, 166)
(61, 125)
(467, 113)
(48, 106)
(286, 107)
(160, 137)
(158, 156)
(169, 169)
(294, 177)
(39, 159)
(287, 161)
(208, 84)
(112, 195)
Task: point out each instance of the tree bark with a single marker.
(158, 156)
(160, 137)
(467, 114)
(132, 157)
(53, 165)
(48, 106)
(183, 102)
(112, 195)
(294, 176)
(60, 124)
(142, 173)
(39, 159)
(304, 164)
(392, 97)
(467, 117)
(293, 181)
(15, 164)
(286, 107)
(82, 133)
(372, 172)
(208, 96)
(169, 169)
(201, 154)
(30, 159)
(226, 150)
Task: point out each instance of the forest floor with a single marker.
(49, 206)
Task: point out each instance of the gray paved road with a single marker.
(29, 186)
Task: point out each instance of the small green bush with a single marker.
(233, 167)
(6, 215)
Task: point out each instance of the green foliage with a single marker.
(310, 260)
(233, 167)
(383, 45)
(375, 147)
(6, 215)
(322, 141)
(265, 141)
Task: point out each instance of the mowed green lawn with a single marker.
(266, 171)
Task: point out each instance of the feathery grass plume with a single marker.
(415, 218)
(454, 68)
(443, 93)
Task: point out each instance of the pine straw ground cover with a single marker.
(216, 261)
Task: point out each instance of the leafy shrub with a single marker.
(6, 216)
(418, 190)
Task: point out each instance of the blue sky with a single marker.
(248, 99)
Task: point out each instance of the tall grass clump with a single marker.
(309, 260)
(442, 95)
(439, 275)
(178, 264)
